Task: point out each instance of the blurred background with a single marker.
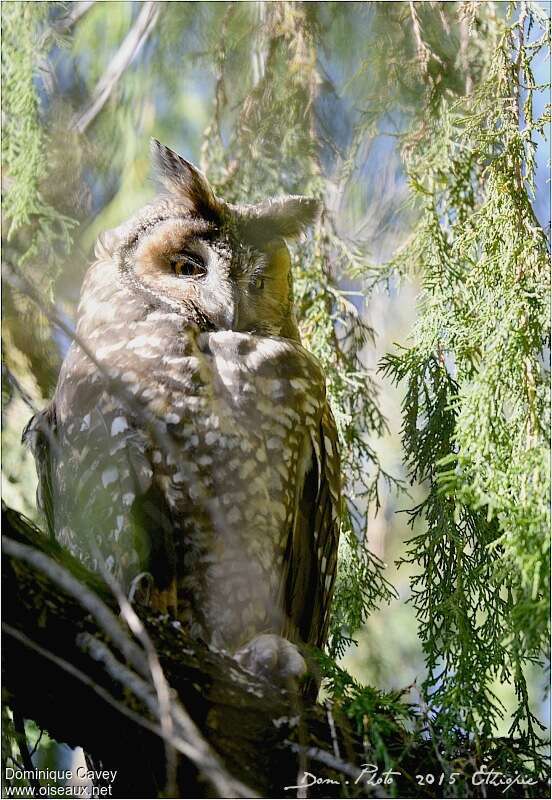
(108, 76)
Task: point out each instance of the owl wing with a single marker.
(311, 556)
(96, 487)
(38, 434)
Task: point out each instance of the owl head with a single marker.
(223, 266)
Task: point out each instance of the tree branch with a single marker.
(189, 740)
(63, 628)
(75, 13)
(125, 55)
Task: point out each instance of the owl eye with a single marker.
(188, 265)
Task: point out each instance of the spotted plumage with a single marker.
(189, 437)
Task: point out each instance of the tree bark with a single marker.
(52, 676)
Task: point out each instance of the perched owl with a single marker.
(189, 442)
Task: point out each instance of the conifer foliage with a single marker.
(476, 423)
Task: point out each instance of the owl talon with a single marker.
(272, 657)
(164, 600)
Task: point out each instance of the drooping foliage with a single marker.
(36, 231)
(476, 418)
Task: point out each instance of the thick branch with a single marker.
(92, 691)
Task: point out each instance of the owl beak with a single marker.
(228, 312)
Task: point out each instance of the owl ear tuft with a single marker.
(183, 179)
(287, 217)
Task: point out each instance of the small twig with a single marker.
(76, 13)
(335, 743)
(316, 754)
(423, 51)
(463, 53)
(442, 17)
(25, 396)
(90, 601)
(115, 387)
(125, 55)
(19, 724)
(35, 748)
(156, 671)
(190, 742)
(70, 669)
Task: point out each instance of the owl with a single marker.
(189, 448)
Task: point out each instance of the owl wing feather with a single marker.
(39, 435)
(311, 555)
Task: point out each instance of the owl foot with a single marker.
(274, 658)
(164, 600)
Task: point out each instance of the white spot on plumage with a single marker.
(175, 361)
(109, 349)
(261, 455)
(118, 425)
(109, 476)
(247, 469)
(142, 341)
(194, 491)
